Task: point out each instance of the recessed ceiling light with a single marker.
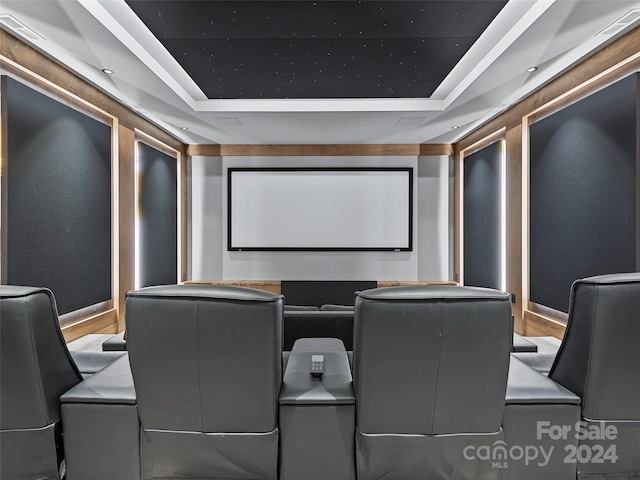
(455, 127)
(107, 71)
(184, 128)
(532, 69)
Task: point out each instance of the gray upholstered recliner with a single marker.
(207, 369)
(35, 369)
(430, 375)
(599, 360)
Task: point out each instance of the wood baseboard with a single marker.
(106, 322)
(536, 325)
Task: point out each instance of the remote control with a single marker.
(317, 365)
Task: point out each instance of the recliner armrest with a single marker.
(90, 363)
(521, 344)
(317, 414)
(117, 343)
(541, 362)
(101, 426)
(535, 404)
(527, 385)
(113, 384)
(299, 387)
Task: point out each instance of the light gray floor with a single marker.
(546, 344)
(89, 343)
(93, 343)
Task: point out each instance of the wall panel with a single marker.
(583, 193)
(513, 222)
(158, 217)
(126, 218)
(22, 62)
(609, 65)
(482, 225)
(59, 216)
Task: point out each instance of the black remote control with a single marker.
(317, 365)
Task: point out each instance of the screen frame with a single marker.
(403, 248)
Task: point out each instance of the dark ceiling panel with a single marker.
(322, 49)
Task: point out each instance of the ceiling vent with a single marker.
(227, 121)
(623, 22)
(411, 121)
(18, 27)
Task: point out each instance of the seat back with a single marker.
(430, 375)
(35, 369)
(207, 368)
(599, 360)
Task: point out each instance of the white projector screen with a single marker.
(320, 209)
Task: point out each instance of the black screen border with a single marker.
(407, 248)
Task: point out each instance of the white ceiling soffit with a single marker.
(514, 19)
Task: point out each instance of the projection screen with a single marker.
(320, 209)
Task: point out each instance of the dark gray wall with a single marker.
(318, 293)
(58, 216)
(158, 209)
(482, 209)
(583, 192)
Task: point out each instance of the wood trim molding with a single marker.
(183, 216)
(458, 219)
(98, 323)
(4, 183)
(433, 149)
(142, 136)
(319, 150)
(638, 177)
(126, 219)
(414, 283)
(548, 312)
(203, 151)
(536, 325)
(273, 286)
(481, 143)
(514, 219)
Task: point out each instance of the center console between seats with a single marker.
(536, 407)
(317, 414)
(102, 430)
